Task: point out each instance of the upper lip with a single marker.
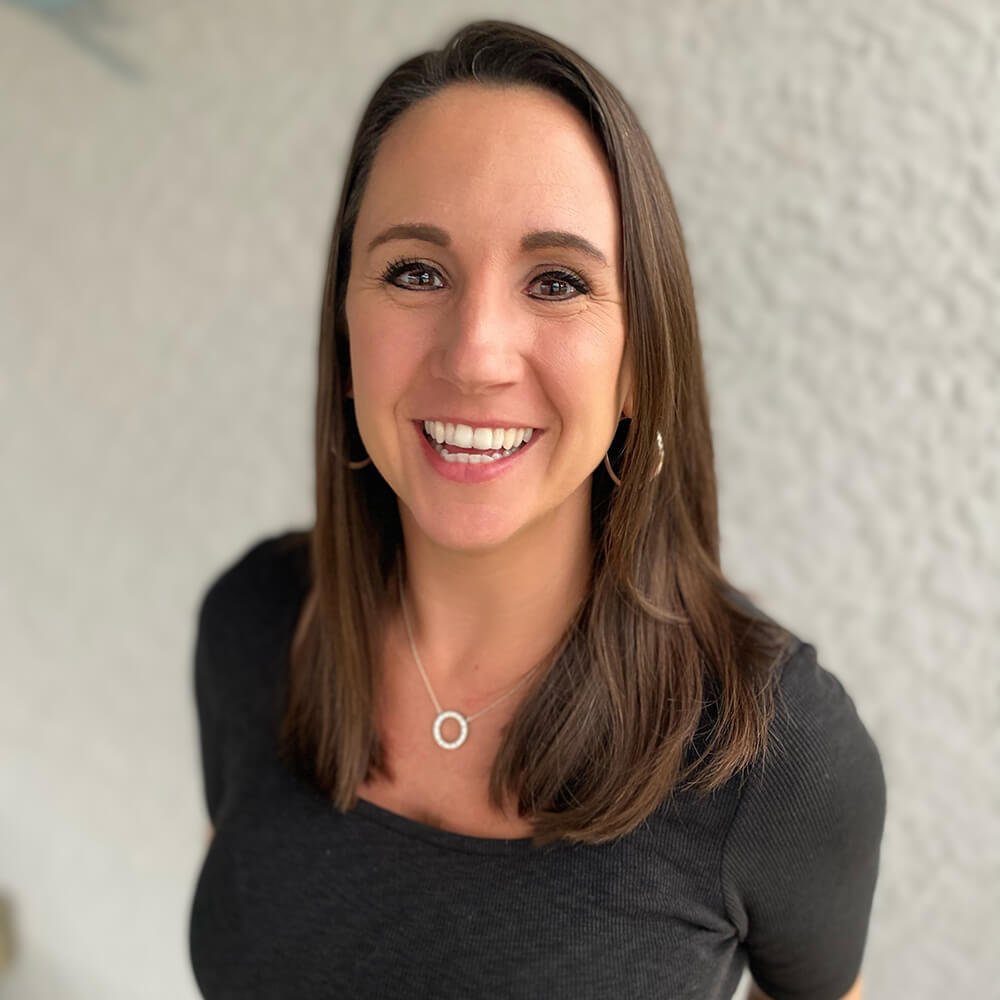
(477, 423)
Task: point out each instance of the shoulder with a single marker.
(250, 587)
(812, 809)
(801, 858)
(821, 763)
(816, 733)
(248, 608)
(237, 654)
(818, 739)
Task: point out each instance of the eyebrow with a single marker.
(539, 239)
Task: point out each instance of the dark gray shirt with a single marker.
(298, 900)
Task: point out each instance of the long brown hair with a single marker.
(664, 679)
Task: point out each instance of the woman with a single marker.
(498, 726)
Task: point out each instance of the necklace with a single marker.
(442, 715)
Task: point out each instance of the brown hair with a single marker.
(665, 676)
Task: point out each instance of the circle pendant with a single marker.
(463, 730)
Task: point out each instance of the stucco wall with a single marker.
(167, 181)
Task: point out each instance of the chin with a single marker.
(478, 529)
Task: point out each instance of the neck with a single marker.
(482, 619)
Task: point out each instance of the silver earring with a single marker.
(656, 472)
(360, 464)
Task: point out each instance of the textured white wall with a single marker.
(167, 182)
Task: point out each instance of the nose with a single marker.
(479, 343)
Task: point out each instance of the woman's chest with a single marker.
(309, 902)
(452, 799)
(437, 786)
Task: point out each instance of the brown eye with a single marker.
(561, 286)
(400, 270)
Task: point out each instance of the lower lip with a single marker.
(467, 472)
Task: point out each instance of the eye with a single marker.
(561, 282)
(563, 285)
(407, 267)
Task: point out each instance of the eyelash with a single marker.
(571, 278)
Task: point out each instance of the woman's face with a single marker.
(485, 296)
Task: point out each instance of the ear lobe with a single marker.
(627, 407)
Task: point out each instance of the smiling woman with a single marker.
(497, 724)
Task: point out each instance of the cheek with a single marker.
(588, 371)
(377, 351)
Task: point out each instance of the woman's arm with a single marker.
(854, 993)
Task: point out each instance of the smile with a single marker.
(464, 444)
(467, 463)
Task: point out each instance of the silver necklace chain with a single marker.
(442, 715)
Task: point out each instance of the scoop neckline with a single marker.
(442, 838)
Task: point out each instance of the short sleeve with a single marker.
(801, 859)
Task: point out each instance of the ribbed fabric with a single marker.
(295, 899)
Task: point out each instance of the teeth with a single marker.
(486, 439)
(464, 458)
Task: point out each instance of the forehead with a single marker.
(481, 160)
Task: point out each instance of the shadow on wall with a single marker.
(82, 22)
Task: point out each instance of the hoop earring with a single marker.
(656, 472)
(360, 464)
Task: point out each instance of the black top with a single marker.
(296, 899)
